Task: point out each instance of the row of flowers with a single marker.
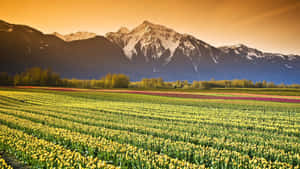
(126, 154)
(189, 134)
(40, 153)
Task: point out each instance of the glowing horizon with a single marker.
(271, 26)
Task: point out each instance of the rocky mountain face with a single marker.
(170, 54)
(148, 50)
(159, 46)
(23, 47)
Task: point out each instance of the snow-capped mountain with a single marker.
(75, 36)
(148, 50)
(158, 43)
(152, 40)
(162, 51)
(253, 54)
(243, 51)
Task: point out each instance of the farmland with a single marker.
(101, 129)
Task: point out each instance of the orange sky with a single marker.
(269, 25)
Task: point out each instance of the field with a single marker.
(71, 128)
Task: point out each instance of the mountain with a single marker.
(22, 47)
(256, 64)
(158, 45)
(164, 52)
(75, 36)
(148, 50)
(161, 51)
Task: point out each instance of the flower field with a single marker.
(64, 129)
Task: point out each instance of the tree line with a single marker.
(108, 81)
(46, 77)
(236, 83)
(31, 77)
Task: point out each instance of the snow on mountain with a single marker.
(60, 36)
(79, 36)
(157, 45)
(75, 36)
(292, 57)
(154, 50)
(154, 41)
(252, 54)
(288, 66)
(244, 51)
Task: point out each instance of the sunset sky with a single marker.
(269, 25)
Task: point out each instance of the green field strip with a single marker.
(99, 119)
(96, 146)
(143, 132)
(268, 130)
(173, 135)
(166, 134)
(207, 154)
(134, 98)
(162, 119)
(40, 153)
(118, 136)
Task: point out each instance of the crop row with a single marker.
(191, 130)
(194, 134)
(43, 154)
(200, 155)
(228, 143)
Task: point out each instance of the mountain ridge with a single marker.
(148, 50)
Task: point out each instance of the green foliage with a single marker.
(109, 81)
(37, 77)
(45, 77)
(236, 83)
(150, 83)
(116, 81)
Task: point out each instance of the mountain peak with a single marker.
(146, 22)
(239, 45)
(75, 36)
(123, 30)
(79, 36)
(152, 39)
(147, 26)
(148, 50)
(60, 36)
(158, 42)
